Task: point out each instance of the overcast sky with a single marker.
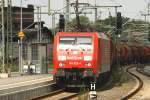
(131, 8)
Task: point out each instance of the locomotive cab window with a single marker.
(67, 40)
(84, 40)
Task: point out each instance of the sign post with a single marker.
(21, 36)
(92, 93)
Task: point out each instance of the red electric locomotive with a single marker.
(81, 57)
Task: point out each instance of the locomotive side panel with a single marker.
(105, 60)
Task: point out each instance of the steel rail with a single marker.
(49, 94)
(60, 91)
(55, 93)
(69, 97)
(129, 95)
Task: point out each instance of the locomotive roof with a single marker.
(100, 34)
(103, 36)
(75, 33)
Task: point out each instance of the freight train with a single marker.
(83, 57)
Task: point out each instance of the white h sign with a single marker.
(93, 86)
(92, 93)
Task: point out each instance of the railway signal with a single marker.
(61, 23)
(119, 20)
(118, 23)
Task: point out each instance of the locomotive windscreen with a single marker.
(69, 40)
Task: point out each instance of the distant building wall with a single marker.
(27, 17)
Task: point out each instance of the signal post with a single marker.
(21, 36)
(92, 93)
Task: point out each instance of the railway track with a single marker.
(137, 89)
(60, 94)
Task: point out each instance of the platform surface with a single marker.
(18, 82)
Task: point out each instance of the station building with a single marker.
(35, 52)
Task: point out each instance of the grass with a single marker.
(14, 68)
(119, 75)
(83, 94)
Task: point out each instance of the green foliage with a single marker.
(107, 25)
(83, 94)
(119, 75)
(14, 68)
(136, 25)
(110, 21)
(85, 24)
(99, 25)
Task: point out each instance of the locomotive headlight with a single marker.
(88, 64)
(87, 58)
(61, 58)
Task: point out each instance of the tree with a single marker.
(85, 24)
